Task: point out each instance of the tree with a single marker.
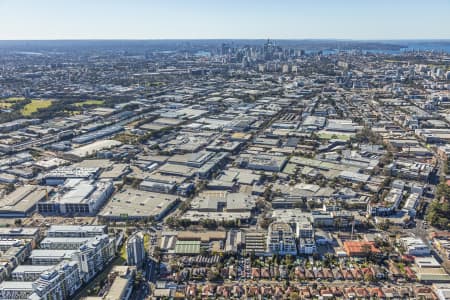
(209, 223)
(184, 206)
(267, 193)
(328, 260)
(265, 222)
(18, 222)
(369, 277)
(172, 221)
(138, 279)
(385, 225)
(9, 188)
(213, 275)
(438, 213)
(289, 260)
(157, 253)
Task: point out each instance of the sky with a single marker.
(224, 19)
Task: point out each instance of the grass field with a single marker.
(123, 252)
(33, 107)
(5, 105)
(89, 102)
(12, 99)
(146, 241)
(8, 102)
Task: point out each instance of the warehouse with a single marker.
(59, 175)
(22, 202)
(265, 162)
(131, 204)
(91, 149)
(78, 196)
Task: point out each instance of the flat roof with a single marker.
(23, 199)
(137, 203)
(195, 215)
(427, 262)
(116, 170)
(32, 268)
(117, 288)
(179, 170)
(100, 229)
(17, 285)
(19, 231)
(91, 148)
(204, 236)
(68, 240)
(44, 253)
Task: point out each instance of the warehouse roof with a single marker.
(22, 200)
(137, 203)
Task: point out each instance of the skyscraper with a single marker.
(135, 250)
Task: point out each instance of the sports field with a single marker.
(33, 107)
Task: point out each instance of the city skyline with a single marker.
(199, 19)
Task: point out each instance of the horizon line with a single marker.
(235, 39)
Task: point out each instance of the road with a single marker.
(151, 270)
(141, 292)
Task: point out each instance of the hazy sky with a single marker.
(190, 19)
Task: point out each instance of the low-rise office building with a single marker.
(307, 246)
(415, 246)
(281, 239)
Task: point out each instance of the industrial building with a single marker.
(23, 201)
(131, 204)
(92, 136)
(92, 148)
(59, 175)
(264, 162)
(78, 197)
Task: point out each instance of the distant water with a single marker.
(437, 46)
(29, 53)
(429, 46)
(208, 47)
